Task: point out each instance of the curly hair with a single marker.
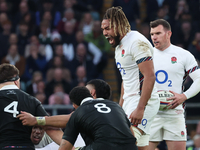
(118, 20)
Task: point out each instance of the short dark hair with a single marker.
(8, 72)
(103, 89)
(79, 93)
(162, 22)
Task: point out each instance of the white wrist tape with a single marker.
(41, 121)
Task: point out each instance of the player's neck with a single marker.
(6, 83)
(121, 37)
(165, 47)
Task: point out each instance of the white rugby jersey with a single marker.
(133, 49)
(172, 66)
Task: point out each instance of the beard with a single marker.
(116, 40)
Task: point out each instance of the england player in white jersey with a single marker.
(172, 65)
(133, 55)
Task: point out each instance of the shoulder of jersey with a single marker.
(136, 34)
(179, 49)
(30, 97)
(25, 93)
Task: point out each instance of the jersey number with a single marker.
(102, 108)
(12, 108)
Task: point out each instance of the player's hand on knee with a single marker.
(27, 119)
(177, 100)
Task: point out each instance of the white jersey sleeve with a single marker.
(192, 69)
(141, 49)
(190, 62)
(194, 88)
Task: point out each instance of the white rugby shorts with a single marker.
(151, 109)
(173, 129)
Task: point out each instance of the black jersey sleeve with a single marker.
(71, 131)
(86, 139)
(40, 111)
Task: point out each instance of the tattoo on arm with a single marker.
(63, 143)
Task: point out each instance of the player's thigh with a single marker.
(174, 129)
(143, 148)
(156, 131)
(130, 104)
(150, 112)
(141, 140)
(153, 145)
(176, 145)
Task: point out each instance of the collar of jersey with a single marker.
(124, 38)
(8, 87)
(90, 98)
(167, 49)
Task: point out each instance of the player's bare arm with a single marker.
(121, 101)
(55, 134)
(147, 69)
(59, 121)
(65, 145)
(27, 119)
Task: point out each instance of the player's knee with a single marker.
(142, 139)
(137, 132)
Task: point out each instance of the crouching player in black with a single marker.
(13, 135)
(101, 120)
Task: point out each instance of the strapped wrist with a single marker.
(41, 120)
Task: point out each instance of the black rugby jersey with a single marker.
(12, 101)
(104, 122)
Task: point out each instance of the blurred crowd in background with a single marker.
(55, 44)
(58, 44)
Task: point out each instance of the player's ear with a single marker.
(93, 93)
(75, 106)
(17, 83)
(169, 34)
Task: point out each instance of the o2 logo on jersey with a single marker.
(102, 108)
(121, 70)
(165, 74)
